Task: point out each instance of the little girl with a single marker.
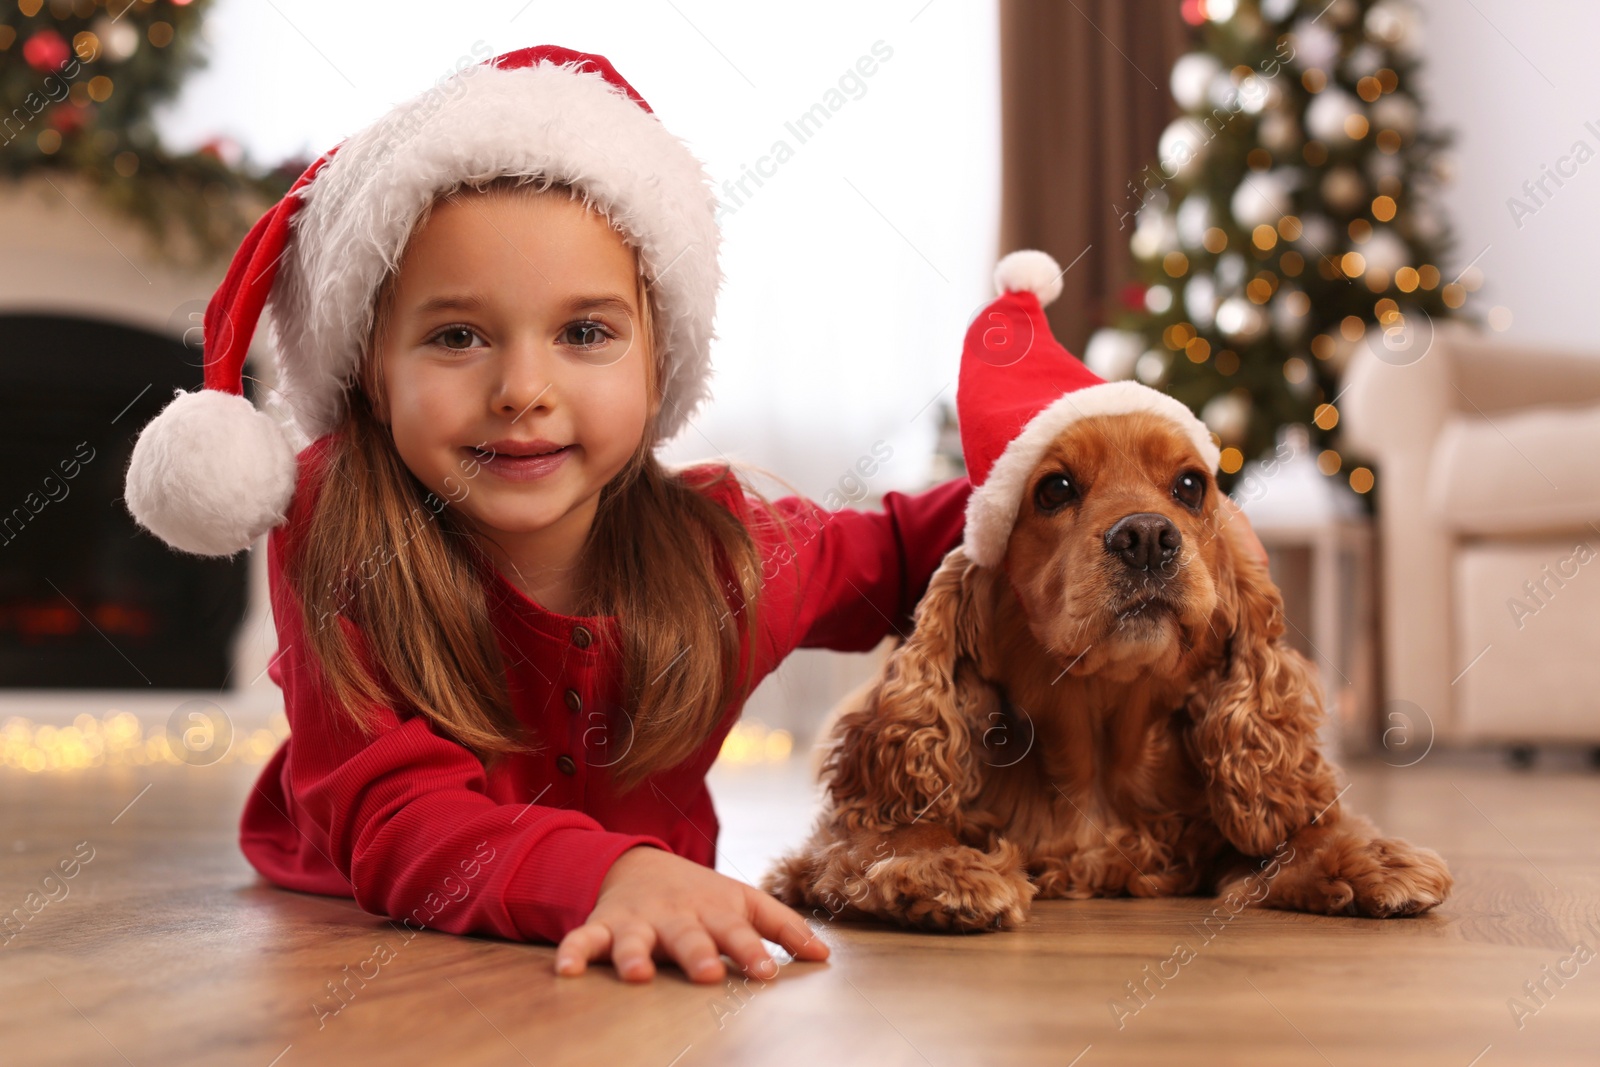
(510, 641)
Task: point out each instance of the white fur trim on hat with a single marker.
(210, 473)
(992, 508)
(1029, 271)
(560, 121)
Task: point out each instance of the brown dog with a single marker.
(1112, 711)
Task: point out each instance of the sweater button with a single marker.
(565, 765)
(581, 636)
(574, 700)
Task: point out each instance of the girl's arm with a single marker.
(852, 577)
(403, 818)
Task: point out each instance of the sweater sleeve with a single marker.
(851, 577)
(404, 816)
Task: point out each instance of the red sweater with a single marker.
(411, 825)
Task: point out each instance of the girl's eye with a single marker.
(455, 338)
(586, 334)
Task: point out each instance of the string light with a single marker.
(751, 742)
(116, 739)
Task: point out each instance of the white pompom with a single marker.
(1029, 271)
(210, 474)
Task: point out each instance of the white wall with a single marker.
(1517, 81)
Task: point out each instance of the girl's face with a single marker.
(515, 320)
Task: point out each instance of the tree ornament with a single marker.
(1113, 353)
(120, 40)
(1191, 79)
(1154, 234)
(1344, 188)
(1228, 416)
(1151, 368)
(45, 50)
(1279, 132)
(1397, 112)
(1193, 220)
(1385, 251)
(1200, 300)
(1316, 46)
(1394, 22)
(1261, 198)
(1240, 321)
(1182, 148)
(1328, 114)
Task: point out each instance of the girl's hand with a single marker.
(656, 903)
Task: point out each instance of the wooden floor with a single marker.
(167, 950)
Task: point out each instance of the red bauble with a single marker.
(67, 118)
(1132, 296)
(45, 50)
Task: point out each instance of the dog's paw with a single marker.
(1390, 878)
(789, 879)
(956, 888)
(1354, 874)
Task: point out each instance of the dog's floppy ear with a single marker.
(906, 753)
(1256, 716)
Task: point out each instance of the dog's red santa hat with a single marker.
(1019, 388)
(211, 473)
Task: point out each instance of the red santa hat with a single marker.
(211, 473)
(1019, 389)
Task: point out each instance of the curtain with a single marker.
(1084, 97)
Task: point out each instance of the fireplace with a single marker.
(88, 600)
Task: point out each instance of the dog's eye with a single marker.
(1189, 489)
(1055, 490)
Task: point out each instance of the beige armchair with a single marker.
(1488, 460)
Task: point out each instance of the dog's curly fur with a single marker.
(1072, 725)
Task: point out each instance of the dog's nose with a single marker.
(1144, 540)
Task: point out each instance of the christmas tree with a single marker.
(81, 77)
(1292, 213)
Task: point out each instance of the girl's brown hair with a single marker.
(410, 573)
